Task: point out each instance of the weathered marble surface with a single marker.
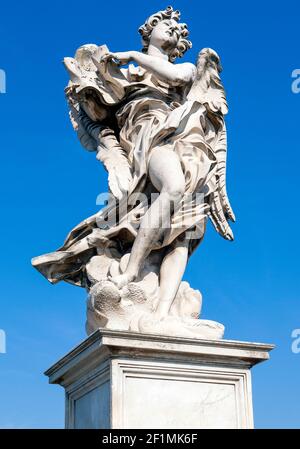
(158, 127)
(128, 380)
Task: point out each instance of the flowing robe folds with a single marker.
(150, 114)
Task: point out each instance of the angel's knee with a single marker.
(174, 189)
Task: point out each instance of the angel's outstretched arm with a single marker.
(175, 74)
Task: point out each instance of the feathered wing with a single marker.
(208, 90)
(90, 97)
(220, 209)
(116, 163)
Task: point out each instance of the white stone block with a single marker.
(129, 380)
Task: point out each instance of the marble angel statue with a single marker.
(158, 127)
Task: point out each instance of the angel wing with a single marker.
(89, 98)
(207, 88)
(114, 158)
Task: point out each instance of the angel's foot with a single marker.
(162, 310)
(158, 316)
(122, 279)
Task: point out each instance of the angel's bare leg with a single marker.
(171, 272)
(166, 175)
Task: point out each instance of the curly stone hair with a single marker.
(169, 13)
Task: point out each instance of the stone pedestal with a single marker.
(124, 380)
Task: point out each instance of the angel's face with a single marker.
(165, 34)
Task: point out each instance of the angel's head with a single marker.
(163, 30)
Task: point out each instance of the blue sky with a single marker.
(49, 184)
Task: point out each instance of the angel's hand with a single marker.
(122, 58)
